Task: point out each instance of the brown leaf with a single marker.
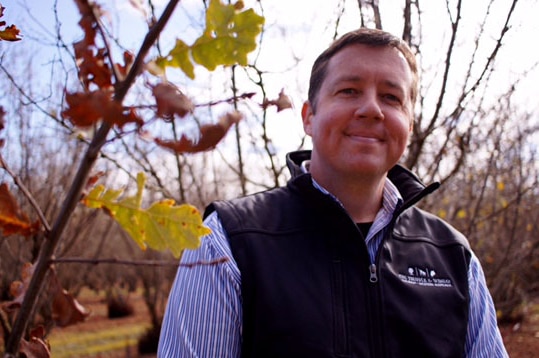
(36, 347)
(13, 221)
(85, 109)
(87, 21)
(66, 310)
(170, 100)
(10, 33)
(93, 66)
(94, 178)
(18, 289)
(93, 62)
(282, 102)
(88, 108)
(210, 135)
(122, 70)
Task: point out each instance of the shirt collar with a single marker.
(391, 197)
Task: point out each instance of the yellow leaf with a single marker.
(230, 35)
(500, 185)
(461, 214)
(179, 57)
(442, 213)
(162, 226)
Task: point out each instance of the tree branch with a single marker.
(49, 246)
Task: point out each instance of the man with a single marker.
(339, 263)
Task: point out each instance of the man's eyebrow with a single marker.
(396, 86)
(348, 78)
(355, 78)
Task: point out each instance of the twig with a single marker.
(140, 262)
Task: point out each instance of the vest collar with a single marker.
(409, 185)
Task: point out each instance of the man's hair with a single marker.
(363, 36)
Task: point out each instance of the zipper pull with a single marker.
(374, 277)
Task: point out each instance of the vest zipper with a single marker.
(373, 275)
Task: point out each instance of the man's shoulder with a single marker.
(418, 224)
(253, 202)
(281, 209)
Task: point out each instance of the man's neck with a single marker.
(361, 197)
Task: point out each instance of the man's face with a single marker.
(363, 113)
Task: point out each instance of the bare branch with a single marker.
(154, 263)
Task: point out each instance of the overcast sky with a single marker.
(295, 32)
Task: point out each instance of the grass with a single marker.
(88, 344)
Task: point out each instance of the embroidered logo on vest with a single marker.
(424, 276)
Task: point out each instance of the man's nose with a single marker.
(369, 106)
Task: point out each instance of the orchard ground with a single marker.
(102, 337)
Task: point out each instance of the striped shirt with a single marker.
(203, 318)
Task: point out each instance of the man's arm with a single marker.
(203, 316)
(483, 338)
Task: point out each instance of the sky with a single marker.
(295, 32)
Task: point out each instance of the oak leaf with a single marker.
(282, 102)
(210, 136)
(93, 62)
(179, 57)
(229, 36)
(123, 70)
(66, 310)
(170, 101)
(11, 32)
(36, 346)
(12, 219)
(17, 289)
(162, 226)
(88, 108)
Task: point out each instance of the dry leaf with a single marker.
(13, 221)
(170, 101)
(210, 136)
(282, 102)
(66, 310)
(18, 289)
(36, 347)
(88, 108)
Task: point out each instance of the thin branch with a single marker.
(154, 263)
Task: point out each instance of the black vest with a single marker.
(309, 290)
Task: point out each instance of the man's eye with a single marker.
(348, 91)
(392, 98)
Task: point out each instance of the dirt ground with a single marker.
(521, 339)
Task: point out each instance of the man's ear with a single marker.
(306, 115)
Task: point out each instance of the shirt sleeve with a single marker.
(484, 339)
(203, 317)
